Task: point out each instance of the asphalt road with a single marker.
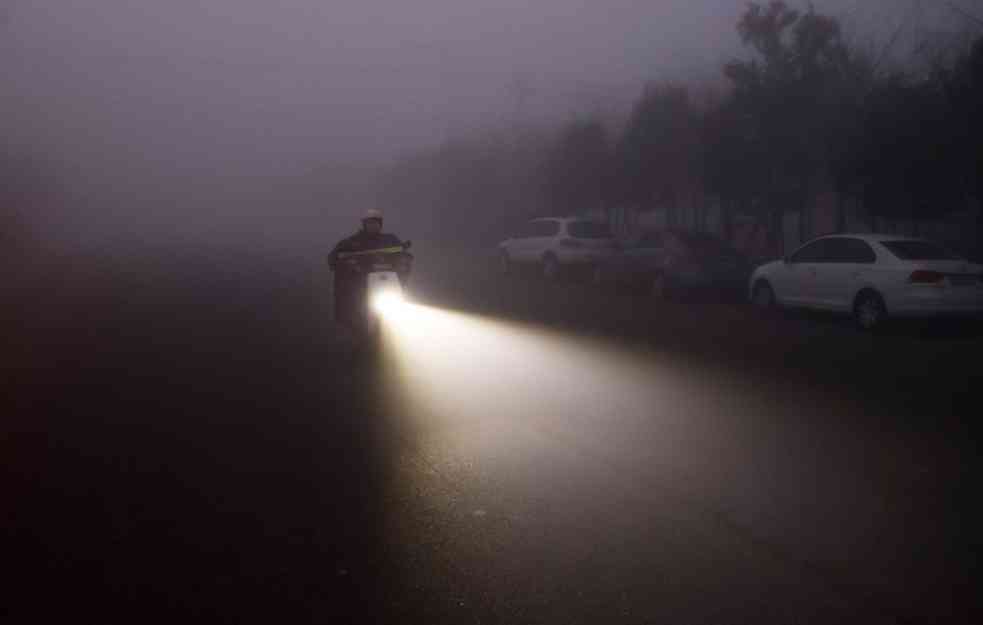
(192, 439)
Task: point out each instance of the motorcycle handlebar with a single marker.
(396, 249)
(357, 261)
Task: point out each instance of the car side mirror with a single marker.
(407, 245)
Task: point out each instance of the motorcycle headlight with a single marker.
(387, 302)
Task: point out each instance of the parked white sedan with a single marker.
(554, 243)
(871, 276)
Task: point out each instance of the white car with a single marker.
(871, 276)
(553, 243)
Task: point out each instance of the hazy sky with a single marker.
(222, 88)
(362, 75)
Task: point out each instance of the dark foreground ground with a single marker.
(190, 439)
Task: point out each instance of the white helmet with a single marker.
(372, 213)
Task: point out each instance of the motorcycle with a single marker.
(385, 272)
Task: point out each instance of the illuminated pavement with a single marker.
(636, 478)
(519, 453)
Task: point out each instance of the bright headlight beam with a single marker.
(492, 388)
(388, 302)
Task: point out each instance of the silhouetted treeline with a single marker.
(803, 114)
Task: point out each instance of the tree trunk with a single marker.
(978, 243)
(804, 219)
(841, 208)
(776, 233)
(726, 221)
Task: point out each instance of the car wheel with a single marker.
(659, 287)
(869, 311)
(551, 267)
(505, 263)
(764, 296)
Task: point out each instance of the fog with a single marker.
(226, 118)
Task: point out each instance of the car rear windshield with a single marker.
(919, 250)
(588, 230)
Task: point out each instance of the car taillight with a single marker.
(923, 276)
(570, 243)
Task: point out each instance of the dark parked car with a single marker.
(666, 261)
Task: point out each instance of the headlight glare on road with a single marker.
(467, 384)
(469, 368)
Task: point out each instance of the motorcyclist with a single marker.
(349, 283)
